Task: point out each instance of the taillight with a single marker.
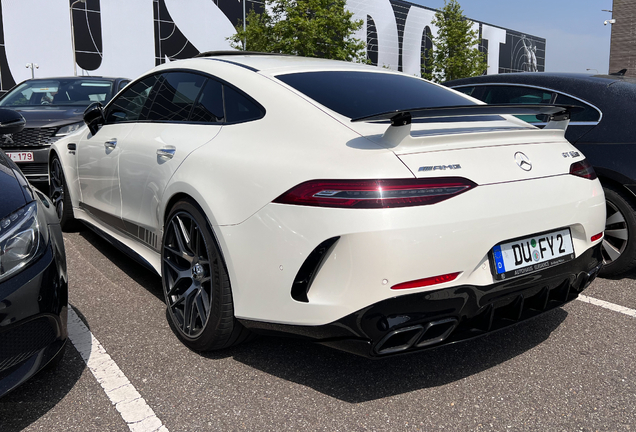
(375, 193)
(596, 237)
(435, 280)
(583, 169)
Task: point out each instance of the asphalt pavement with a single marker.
(570, 369)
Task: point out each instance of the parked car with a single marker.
(52, 107)
(33, 278)
(365, 209)
(604, 131)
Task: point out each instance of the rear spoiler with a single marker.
(559, 116)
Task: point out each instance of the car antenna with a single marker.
(621, 72)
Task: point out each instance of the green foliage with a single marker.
(310, 28)
(455, 53)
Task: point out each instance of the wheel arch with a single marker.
(69, 168)
(53, 153)
(617, 181)
(198, 200)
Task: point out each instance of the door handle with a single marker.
(166, 152)
(111, 143)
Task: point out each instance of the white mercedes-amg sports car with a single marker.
(354, 206)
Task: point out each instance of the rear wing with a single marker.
(559, 116)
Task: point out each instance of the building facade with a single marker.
(623, 45)
(128, 37)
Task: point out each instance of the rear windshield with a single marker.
(362, 94)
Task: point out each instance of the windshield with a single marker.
(361, 94)
(70, 91)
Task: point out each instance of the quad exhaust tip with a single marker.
(417, 336)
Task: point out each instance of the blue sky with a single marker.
(576, 37)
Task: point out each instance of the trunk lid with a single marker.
(491, 157)
(489, 152)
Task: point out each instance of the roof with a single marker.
(278, 63)
(78, 77)
(544, 78)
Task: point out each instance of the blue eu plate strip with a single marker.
(499, 262)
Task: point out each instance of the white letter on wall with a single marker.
(494, 36)
(417, 20)
(202, 23)
(39, 32)
(384, 18)
(127, 38)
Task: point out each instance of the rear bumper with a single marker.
(379, 248)
(424, 320)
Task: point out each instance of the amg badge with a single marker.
(440, 167)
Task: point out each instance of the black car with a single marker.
(605, 131)
(52, 107)
(33, 278)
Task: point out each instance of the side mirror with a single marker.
(11, 121)
(94, 117)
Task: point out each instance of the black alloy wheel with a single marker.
(58, 192)
(619, 248)
(195, 282)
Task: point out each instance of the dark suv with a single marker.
(605, 131)
(52, 107)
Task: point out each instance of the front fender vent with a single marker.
(309, 269)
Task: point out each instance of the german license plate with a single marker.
(21, 156)
(530, 254)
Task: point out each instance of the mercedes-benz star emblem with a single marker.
(523, 161)
(197, 272)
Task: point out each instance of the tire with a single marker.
(619, 242)
(58, 192)
(195, 282)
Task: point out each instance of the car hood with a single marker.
(51, 116)
(15, 189)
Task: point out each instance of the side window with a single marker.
(517, 95)
(209, 107)
(589, 114)
(128, 105)
(466, 90)
(238, 108)
(176, 96)
(122, 84)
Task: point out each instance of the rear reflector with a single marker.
(427, 281)
(597, 237)
(375, 193)
(583, 169)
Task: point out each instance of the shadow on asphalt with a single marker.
(32, 400)
(629, 275)
(356, 379)
(137, 272)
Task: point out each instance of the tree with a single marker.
(310, 28)
(455, 53)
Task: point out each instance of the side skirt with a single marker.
(129, 245)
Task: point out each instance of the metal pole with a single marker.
(33, 67)
(244, 28)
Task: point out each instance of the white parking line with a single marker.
(608, 305)
(133, 408)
